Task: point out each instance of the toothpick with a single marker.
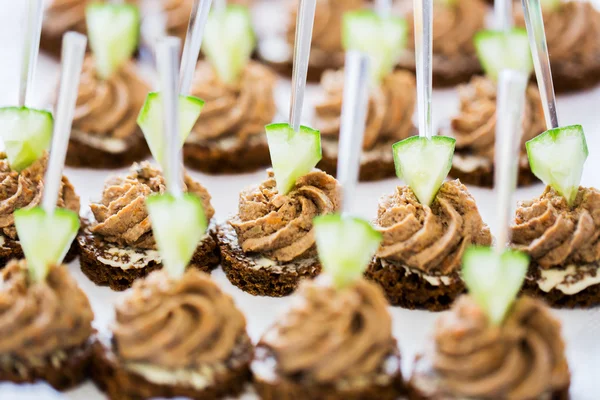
(167, 56)
(73, 53)
(31, 48)
(304, 28)
(423, 53)
(541, 62)
(193, 42)
(220, 7)
(503, 13)
(383, 8)
(509, 129)
(353, 120)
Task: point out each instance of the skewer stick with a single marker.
(423, 53)
(31, 49)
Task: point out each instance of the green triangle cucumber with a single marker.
(382, 38)
(150, 120)
(293, 154)
(424, 164)
(45, 239)
(178, 225)
(346, 246)
(550, 5)
(229, 41)
(557, 157)
(494, 279)
(26, 133)
(498, 50)
(113, 31)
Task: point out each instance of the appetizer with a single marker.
(61, 16)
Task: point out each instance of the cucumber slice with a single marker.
(178, 225)
(549, 5)
(151, 122)
(493, 279)
(45, 239)
(498, 50)
(446, 3)
(557, 157)
(424, 164)
(26, 133)
(229, 41)
(293, 154)
(383, 39)
(113, 30)
(346, 245)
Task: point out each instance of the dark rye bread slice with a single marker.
(212, 159)
(574, 78)
(484, 177)
(243, 270)
(12, 249)
(112, 377)
(82, 155)
(587, 298)
(61, 373)
(275, 387)
(91, 247)
(447, 79)
(412, 291)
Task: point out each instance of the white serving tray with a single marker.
(581, 328)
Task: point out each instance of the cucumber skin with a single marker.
(492, 67)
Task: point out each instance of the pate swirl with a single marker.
(521, 359)
(331, 334)
(121, 216)
(109, 108)
(474, 128)
(39, 319)
(177, 323)
(430, 239)
(391, 107)
(241, 110)
(61, 16)
(281, 226)
(556, 235)
(24, 190)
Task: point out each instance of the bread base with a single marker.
(484, 177)
(568, 79)
(243, 271)
(11, 249)
(213, 160)
(111, 377)
(69, 373)
(587, 298)
(412, 291)
(81, 155)
(206, 258)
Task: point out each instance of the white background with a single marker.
(581, 328)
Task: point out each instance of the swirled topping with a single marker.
(554, 234)
(61, 16)
(24, 190)
(391, 106)
(327, 30)
(454, 27)
(430, 239)
(121, 215)
(240, 110)
(330, 334)
(278, 226)
(474, 128)
(109, 108)
(524, 358)
(181, 323)
(572, 32)
(38, 319)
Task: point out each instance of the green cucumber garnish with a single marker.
(150, 121)
(549, 5)
(346, 245)
(293, 154)
(498, 50)
(494, 279)
(178, 225)
(26, 134)
(113, 31)
(382, 38)
(45, 239)
(424, 164)
(229, 41)
(557, 157)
